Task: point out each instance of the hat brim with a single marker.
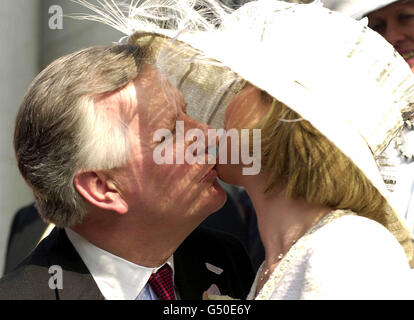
(364, 11)
(207, 85)
(357, 8)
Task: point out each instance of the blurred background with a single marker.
(31, 38)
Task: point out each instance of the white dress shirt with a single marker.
(116, 278)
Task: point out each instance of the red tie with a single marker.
(162, 283)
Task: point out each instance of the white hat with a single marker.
(357, 8)
(334, 71)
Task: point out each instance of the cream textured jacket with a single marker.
(344, 256)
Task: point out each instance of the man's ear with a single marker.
(100, 191)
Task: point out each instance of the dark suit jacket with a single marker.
(31, 279)
(25, 233)
(236, 217)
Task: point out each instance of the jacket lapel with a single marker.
(191, 276)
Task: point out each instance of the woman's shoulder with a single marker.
(360, 237)
(353, 228)
(355, 257)
(345, 257)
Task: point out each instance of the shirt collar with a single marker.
(116, 278)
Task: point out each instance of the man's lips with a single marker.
(210, 175)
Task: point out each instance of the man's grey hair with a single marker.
(59, 132)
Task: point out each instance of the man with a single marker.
(84, 142)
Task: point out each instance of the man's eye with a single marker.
(167, 134)
(185, 108)
(173, 130)
(167, 137)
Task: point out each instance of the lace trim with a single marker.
(271, 283)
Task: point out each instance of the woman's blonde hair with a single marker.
(313, 168)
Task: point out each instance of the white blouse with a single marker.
(344, 256)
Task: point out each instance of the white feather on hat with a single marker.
(331, 69)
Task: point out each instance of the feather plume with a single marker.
(167, 17)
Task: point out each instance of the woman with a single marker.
(310, 201)
(321, 213)
(328, 99)
(328, 229)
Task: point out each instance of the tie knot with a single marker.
(161, 283)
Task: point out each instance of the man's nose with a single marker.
(210, 134)
(211, 140)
